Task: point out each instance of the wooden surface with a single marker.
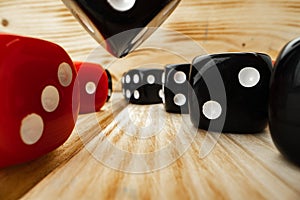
(238, 167)
(217, 26)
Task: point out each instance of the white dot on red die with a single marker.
(90, 87)
(31, 130)
(50, 98)
(212, 110)
(179, 99)
(136, 94)
(151, 79)
(121, 5)
(179, 77)
(136, 78)
(65, 74)
(249, 77)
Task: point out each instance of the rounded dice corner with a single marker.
(266, 59)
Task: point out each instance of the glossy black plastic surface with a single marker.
(284, 110)
(104, 22)
(110, 85)
(176, 88)
(244, 109)
(145, 89)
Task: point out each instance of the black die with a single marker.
(284, 110)
(118, 25)
(176, 88)
(110, 85)
(143, 86)
(237, 98)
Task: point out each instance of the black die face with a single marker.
(143, 86)
(284, 110)
(104, 19)
(176, 88)
(243, 106)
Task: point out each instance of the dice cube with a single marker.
(237, 101)
(40, 100)
(94, 86)
(143, 86)
(175, 88)
(120, 26)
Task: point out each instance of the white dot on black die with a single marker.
(212, 110)
(161, 93)
(163, 77)
(50, 98)
(128, 94)
(121, 5)
(127, 79)
(31, 130)
(65, 74)
(136, 78)
(123, 80)
(179, 99)
(249, 77)
(151, 79)
(90, 88)
(179, 77)
(136, 94)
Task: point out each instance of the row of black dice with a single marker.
(230, 92)
(143, 86)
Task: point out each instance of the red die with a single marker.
(93, 84)
(40, 98)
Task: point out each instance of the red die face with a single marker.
(93, 84)
(40, 98)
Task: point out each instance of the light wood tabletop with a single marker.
(141, 152)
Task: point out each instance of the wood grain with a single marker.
(217, 26)
(88, 165)
(238, 166)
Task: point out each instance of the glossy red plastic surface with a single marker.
(93, 83)
(30, 75)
